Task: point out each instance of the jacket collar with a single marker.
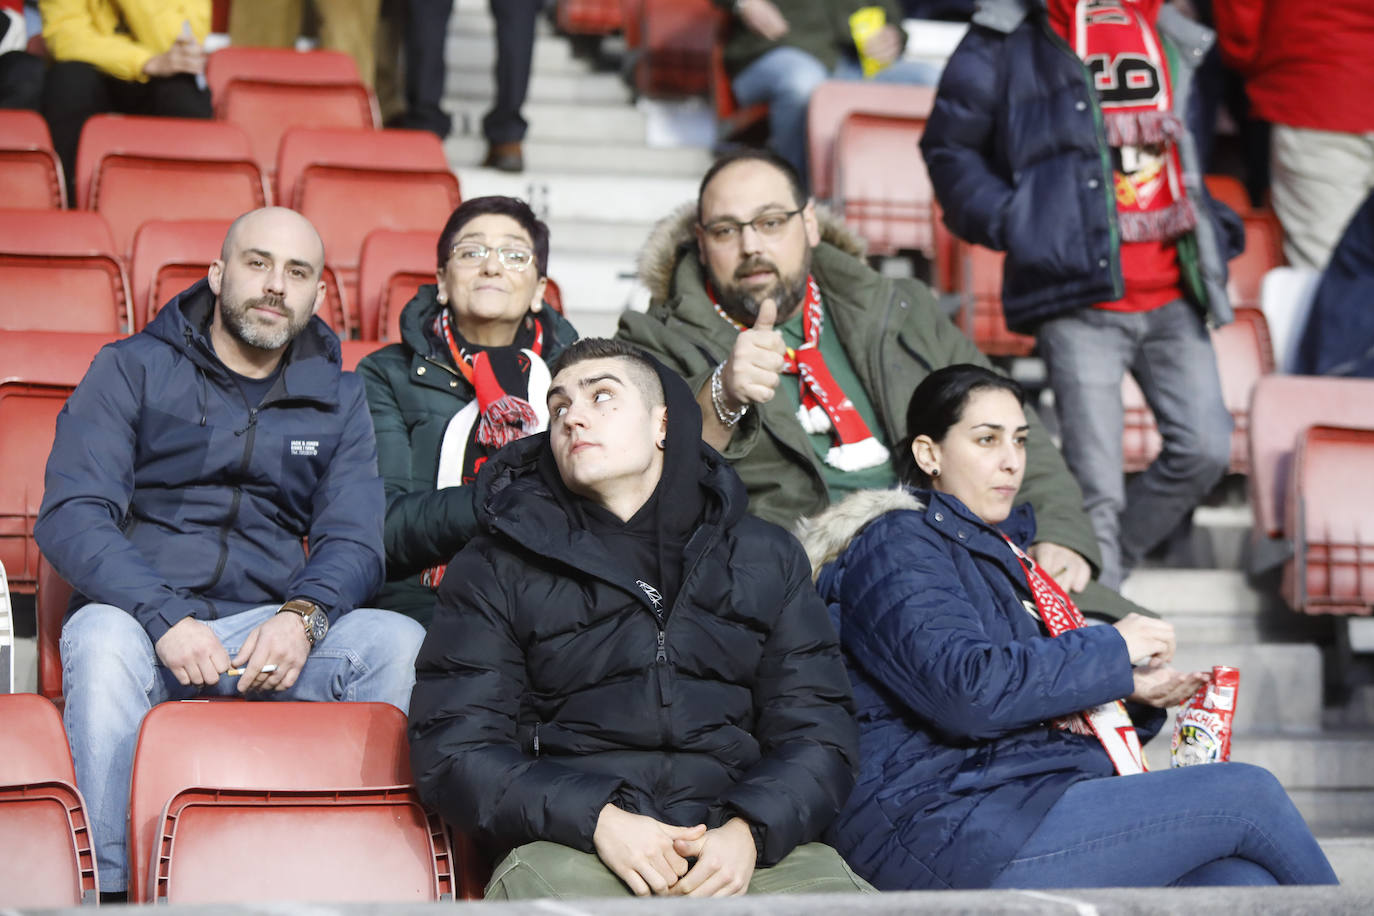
(312, 364)
(518, 507)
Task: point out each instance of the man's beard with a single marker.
(786, 291)
(239, 324)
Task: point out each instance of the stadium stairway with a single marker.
(590, 170)
(1320, 753)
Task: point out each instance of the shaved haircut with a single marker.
(642, 373)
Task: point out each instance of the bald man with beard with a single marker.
(190, 467)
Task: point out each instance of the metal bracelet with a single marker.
(727, 417)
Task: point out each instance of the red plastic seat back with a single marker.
(353, 351)
(277, 65)
(134, 169)
(882, 189)
(386, 255)
(590, 17)
(188, 244)
(1330, 515)
(835, 100)
(266, 110)
(50, 602)
(38, 370)
(381, 845)
(46, 853)
(1281, 406)
(60, 270)
(400, 150)
(1244, 354)
(1228, 190)
(30, 172)
(256, 745)
(1263, 252)
(678, 38)
(980, 313)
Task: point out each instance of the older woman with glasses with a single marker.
(468, 377)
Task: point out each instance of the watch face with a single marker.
(318, 622)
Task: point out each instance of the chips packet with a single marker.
(1202, 731)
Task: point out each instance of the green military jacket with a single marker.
(413, 391)
(894, 334)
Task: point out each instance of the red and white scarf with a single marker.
(510, 384)
(1108, 722)
(824, 406)
(1117, 42)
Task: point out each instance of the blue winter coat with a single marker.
(954, 682)
(167, 495)
(1017, 155)
(1339, 337)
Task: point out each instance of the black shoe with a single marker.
(505, 156)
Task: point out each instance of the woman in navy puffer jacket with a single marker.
(980, 767)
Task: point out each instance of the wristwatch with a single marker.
(315, 620)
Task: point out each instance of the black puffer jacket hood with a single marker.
(548, 686)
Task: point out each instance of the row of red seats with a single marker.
(210, 781)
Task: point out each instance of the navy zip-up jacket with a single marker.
(954, 685)
(168, 495)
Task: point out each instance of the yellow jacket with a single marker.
(119, 36)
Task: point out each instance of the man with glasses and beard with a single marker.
(803, 358)
(189, 469)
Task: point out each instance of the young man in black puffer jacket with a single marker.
(630, 684)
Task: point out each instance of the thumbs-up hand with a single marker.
(754, 368)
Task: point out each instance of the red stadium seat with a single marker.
(1244, 355)
(1281, 406)
(353, 351)
(183, 248)
(553, 296)
(834, 100)
(350, 182)
(980, 310)
(171, 255)
(30, 172)
(285, 745)
(381, 845)
(266, 110)
(133, 169)
(1330, 516)
(47, 858)
(50, 603)
(589, 17)
(38, 370)
(675, 55)
(632, 21)
(882, 190)
(277, 65)
(1229, 191)
(1263, 251)
(60, 270)
(734, 121)
(393, 265)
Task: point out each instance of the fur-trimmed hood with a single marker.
(826, 536)
(672, 237)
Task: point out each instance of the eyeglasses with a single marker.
(769, 225)
(474, 254)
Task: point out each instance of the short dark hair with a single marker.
(938, 403)
(513, 207)
(750, 154)
(643, 373)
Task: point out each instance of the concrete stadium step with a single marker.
(596, 289)
(1221, 536)
(616, 123)
(473, 17)
(556, 88)
(472, 51)
(1219, 606)
(561, 195)
(591, 157)
(1280, 684)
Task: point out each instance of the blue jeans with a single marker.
(785, 78)
(1213, 824)
(112, 677)
(1169, 352)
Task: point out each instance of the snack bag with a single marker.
(864, 23)
(1202, 731)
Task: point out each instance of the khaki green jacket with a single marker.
(893, 333)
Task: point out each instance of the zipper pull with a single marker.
(252, 421)
(536, 739)
(661, 669)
